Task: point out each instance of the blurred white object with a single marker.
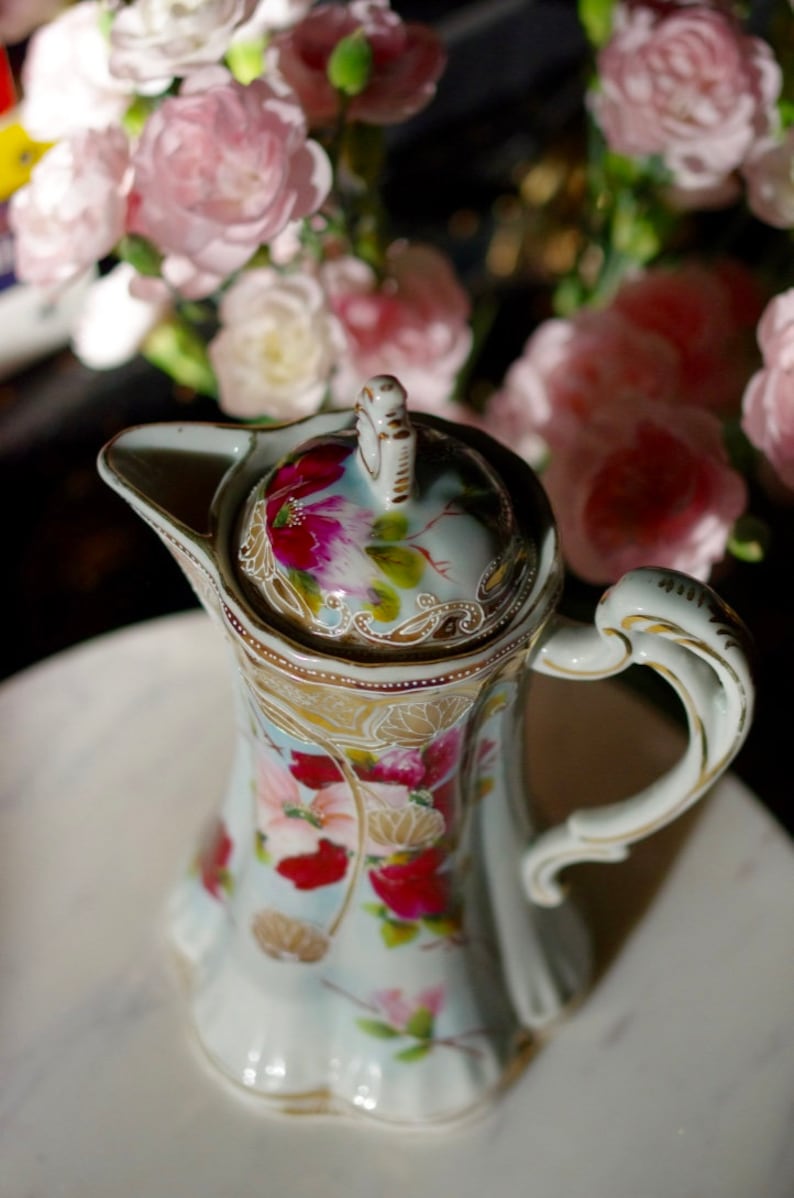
(33, 325)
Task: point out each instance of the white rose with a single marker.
(113, 324)
(153, 40)
(66, 79)
(277, 346)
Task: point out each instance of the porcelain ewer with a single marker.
(374, 924)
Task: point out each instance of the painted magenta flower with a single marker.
(686, 83)
(413, 323)
(768, 405)
(646, 484)
(405, 62)
(220, 169)
(323, 537)
(74, 210)
(277, 345)
(66, 79)
(154, 40)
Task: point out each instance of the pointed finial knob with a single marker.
(386, 439)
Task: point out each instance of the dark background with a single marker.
(78, 562)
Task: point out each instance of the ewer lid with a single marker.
(388, 535)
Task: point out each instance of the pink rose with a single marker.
(413, 324)
(706, 314)
(18, 18)
(769, 174)
(570, 370)
(66, 79)
(407, 60)
(277, 345)
(645, 485)
(768, 406)
(153, 40)
(73, 211)
(687, 84)
(220, 169)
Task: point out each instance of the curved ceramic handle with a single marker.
(683, 631)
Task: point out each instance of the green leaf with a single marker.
(415, 1053)
(384, 602)
(261, 849)
(246, 60)
(376, 1027)
(391, 526)
(596, 18)
(749, 539)
(350, 66)
(394, 933)
(306, 586)
(144, 257)
(404, 566)
(420, 1024)
(181, 353)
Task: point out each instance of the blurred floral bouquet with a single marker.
(227, 156)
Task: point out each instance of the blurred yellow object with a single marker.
(19, 153)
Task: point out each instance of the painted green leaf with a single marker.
(402, 565)
(307, 587)
(376, 909)
(441, 925)
(261, 849)
(391, 526)
(384, 602)
(395, 933)
(415, 1053)
(376, 1027)
(420, 1024)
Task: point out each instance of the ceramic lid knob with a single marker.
(388, 535)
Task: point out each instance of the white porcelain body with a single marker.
(373, 924)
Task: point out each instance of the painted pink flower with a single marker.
(74, 209)
(687, 84)
(66, 80)
(413, 324)
(415, 888)
(707, 314)
(153, 40)
(398, 1009)
(769, 175)
(322, 537)
(768, 405)
(569, 370)
(220, 169)
(645, 484)
(407, 60)
(294, 823)
(276, 347)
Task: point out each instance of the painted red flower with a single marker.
(414, 888)
(312, 870)
(314, 770)
(213, 860)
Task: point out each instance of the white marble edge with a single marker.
(675, 1077)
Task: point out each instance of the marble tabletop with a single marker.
(675, 1077)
